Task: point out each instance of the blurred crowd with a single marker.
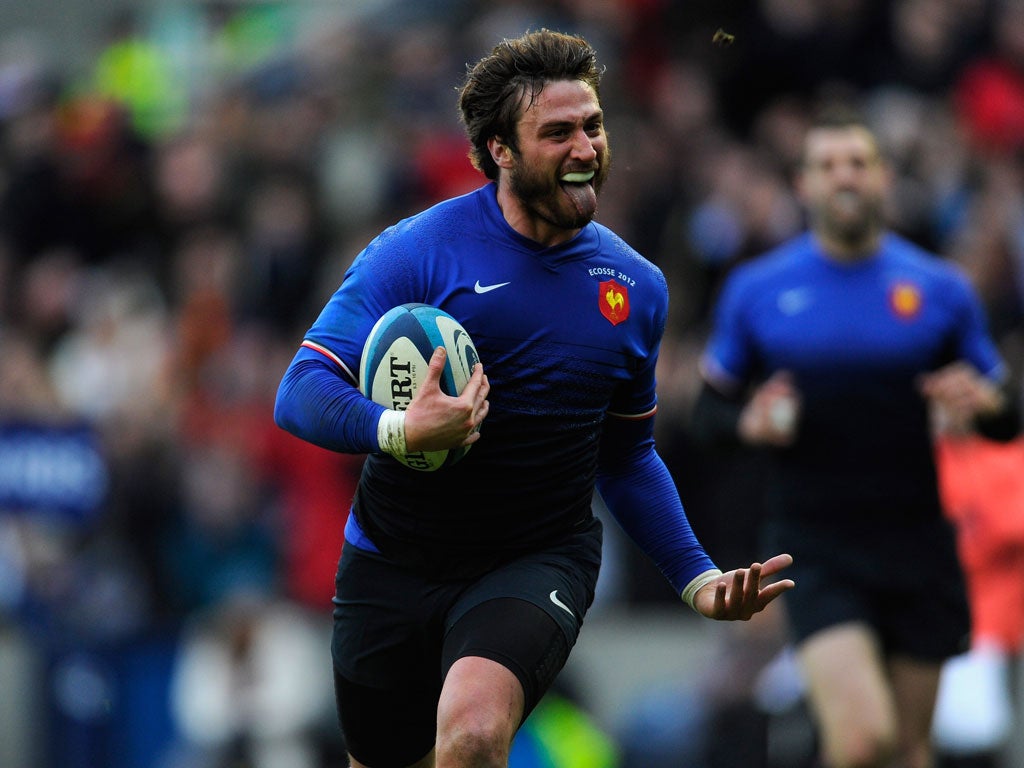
(175, 211)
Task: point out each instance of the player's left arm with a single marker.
(972, 400)
(974, 390)
(1003, 423)
(639, 491)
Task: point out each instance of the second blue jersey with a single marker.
(566, 335)
(857, 337)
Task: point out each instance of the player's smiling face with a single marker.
(843, 183)
(551, 184)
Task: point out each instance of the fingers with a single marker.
(721, 609)
(745, 591)
(478, 386)
(770, 567)
(435, 420)
(743, 595)
(435, 368)
(773, 590)
(941, 382)
(476, 389)
(475, 392)
(480, 410)
(772, 414)
(956, 382)
(773, 565)
(960, 393)
(752, 584)
(781, 382)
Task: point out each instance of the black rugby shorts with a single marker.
(902, 579)
(396, 634)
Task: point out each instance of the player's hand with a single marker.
(961, 393)
(435, 421)
(739, 594)
(772, 414)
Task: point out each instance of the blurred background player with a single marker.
(828, 351)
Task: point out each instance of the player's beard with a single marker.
(542, 194)
(852, 218)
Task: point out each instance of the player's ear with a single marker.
(501, 153)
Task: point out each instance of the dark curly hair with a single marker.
(504, 83)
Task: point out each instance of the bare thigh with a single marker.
(850, 695)
(479, 712)
(477, 716)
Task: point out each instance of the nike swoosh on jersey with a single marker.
(486, 288)
(794, 301)
(560, 604)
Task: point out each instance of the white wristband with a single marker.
(698, 583)
(391, 433)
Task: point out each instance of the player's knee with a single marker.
(479, 742)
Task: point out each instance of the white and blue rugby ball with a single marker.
(394, 364)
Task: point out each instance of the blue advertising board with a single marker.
(52, 468)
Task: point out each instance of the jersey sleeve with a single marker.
(639, 491)
(318, 398)
(632, 479)
(974, 342)
(638, 399)
(383, 275)
(726, 361)
(315, 401)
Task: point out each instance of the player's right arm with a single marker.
(318, 398)
(730, 408)
(317, 402)
(768, 416)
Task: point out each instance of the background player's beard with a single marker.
(854, 227)
(542, 195)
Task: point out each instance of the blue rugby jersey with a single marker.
(856, 337)
(566, 334)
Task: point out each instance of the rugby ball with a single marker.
(395, 359)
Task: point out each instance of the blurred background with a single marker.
(182, 185)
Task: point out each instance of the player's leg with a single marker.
(915, 685)
(925, 626)
(386, 647)
(500, 659)
(385, 728)
(510, 635)
(833, 619)
(850, 697)
(480, 710)
(426, 762)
